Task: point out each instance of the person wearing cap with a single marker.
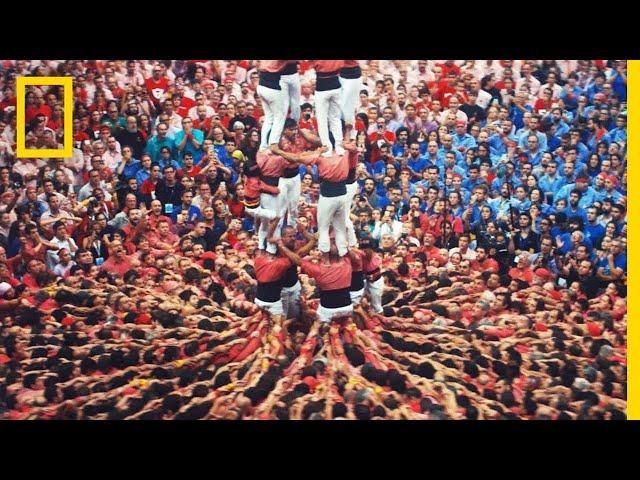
(328, 110)
(351, 84)
(610, 184)
(273, 101)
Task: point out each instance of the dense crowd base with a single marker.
(438, 351)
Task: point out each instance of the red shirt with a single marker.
(269, 268)
(333, 169)
(372, 263)
(272, 65)
(333, 276)
(271, 165)
(489, 264)
(31, 112)
(326, 66)
(119, 268)
(518, 274)
(157, 89)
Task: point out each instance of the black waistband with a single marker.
(273, 181)
(251, 202)
(290, 277)
(352, 175)
(335, 298)
(374, 275)
(270, 80)
(269, 291)
(332, 189)
(290, 69)
(351, 72)
(291, 172)
(357, 281)
(328, 83)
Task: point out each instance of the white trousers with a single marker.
(331, 214)
(375, 293)
(260, 213)
(326, 314)
(273, 105)
(352, 189)
(274, 308)
(290, 85)
(274, 203)
(329, 113)
(291, 301)
(349, 96)
(290, 190)
(356, 296)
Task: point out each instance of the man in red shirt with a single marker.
(291, 183)
(157, 86)
(483, 263)
(119, 263)
(333, 278)
(270, 269)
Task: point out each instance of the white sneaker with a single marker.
(339, 151)
(328, 153)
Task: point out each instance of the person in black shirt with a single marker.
(248, 121)
(474, 112)
(524, 239)
(582, 273)
(131, 136)
(169, 190)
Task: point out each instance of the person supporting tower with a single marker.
(333, 278)
(293, 142)
(374, 281)
(328, 109)
(273, 101)
(350, 79)
(291, 287)
(290, 83)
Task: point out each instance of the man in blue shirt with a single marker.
(498, 141)
(190, 140)
(128, 166)
(145, 169)
(534, 122)
(190, 213)
(550, 182)
(588, 194)
(614, 266)
(593, 229)
(573, 210)
(161, 139)
(461, 139)
(415, 162)
(447, 146)
(619, 134)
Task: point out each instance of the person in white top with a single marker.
(551, 84)
(529, 80)
(454, 108)
(201, 100)
(483, 98)
(463, 248)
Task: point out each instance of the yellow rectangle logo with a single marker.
(67, 150)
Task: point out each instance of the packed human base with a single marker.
(323, 239)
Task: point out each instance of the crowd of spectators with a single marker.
(495, 193)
